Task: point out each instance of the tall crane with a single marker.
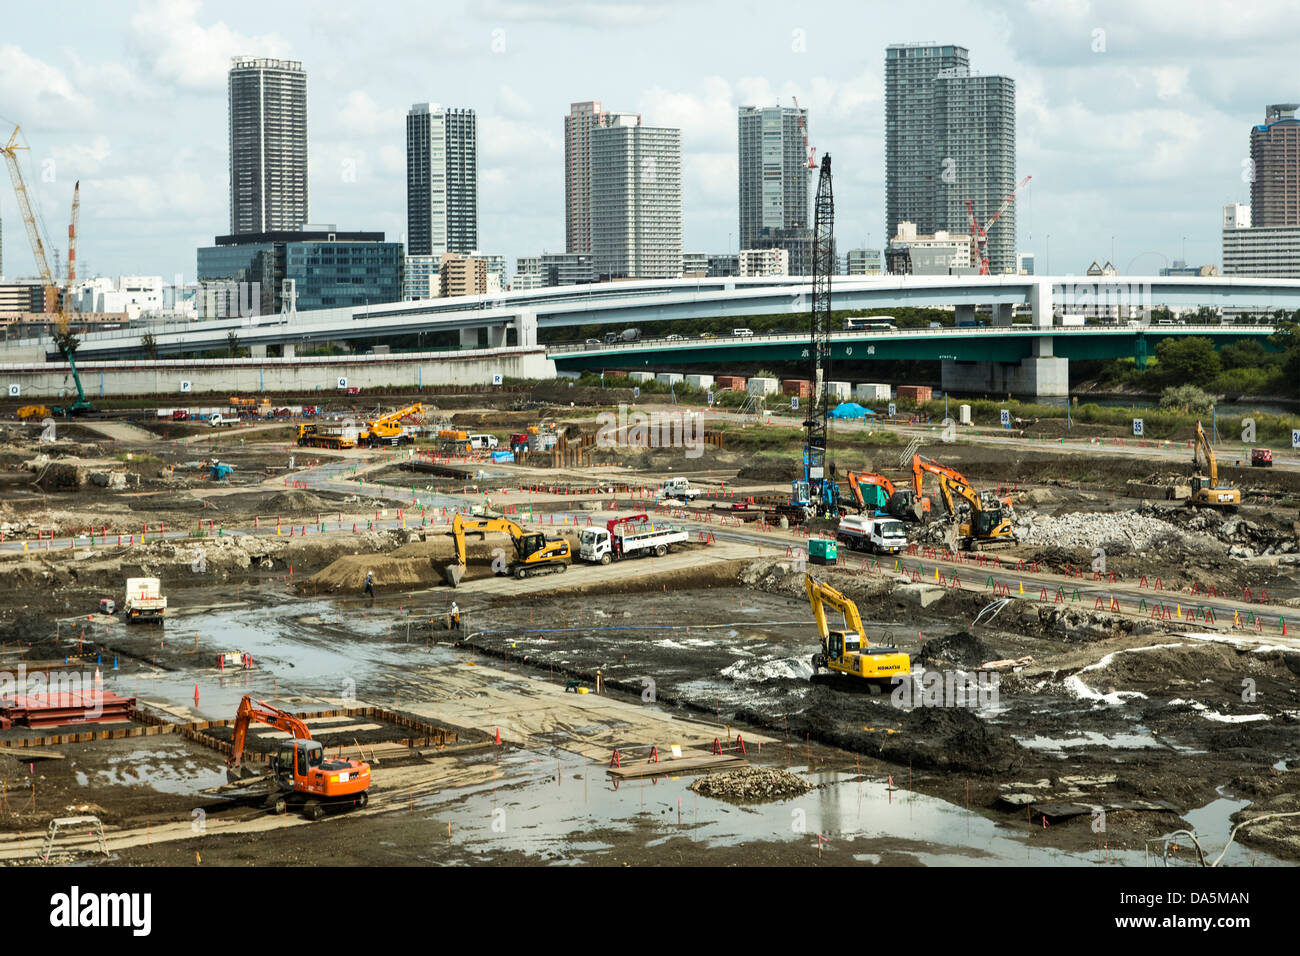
(803, 128)
(10, 151)
(817, 492)
(71, 279)
(979, 235)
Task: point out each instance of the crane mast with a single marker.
(822, 496)
(29, 219)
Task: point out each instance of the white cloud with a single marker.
(167, 38)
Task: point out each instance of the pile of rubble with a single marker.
(1245, 539)
(1117, 532)
(752, 783)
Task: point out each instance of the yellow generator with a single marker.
(848, 652)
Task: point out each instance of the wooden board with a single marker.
(638, 768)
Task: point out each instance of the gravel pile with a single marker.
(752, 783)
(1117, 532)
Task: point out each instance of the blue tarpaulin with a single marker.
(850, 410)
(503, 456)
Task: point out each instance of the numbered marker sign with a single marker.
(893, 409)
(185, 385)
(710, 398)
(14, 391)
(343, 382)
(794, 403)
(1295, 438)
(1006, 418)
(636, 392)
(496, 379)
(1137, 428)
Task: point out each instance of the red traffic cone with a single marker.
(498, 736)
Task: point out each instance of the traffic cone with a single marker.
(498, 736)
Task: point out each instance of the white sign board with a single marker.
(14, 391)
(1137, 428)
(636, 392)
(893, 409)
(794, 403)
(1006, 418)
(710, 398)
(496, 379)
(343, 382)
(1295, 438)
(185, 385)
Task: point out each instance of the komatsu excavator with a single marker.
(534, 552)
(1208, 490)
(303, 776)
(847, 652)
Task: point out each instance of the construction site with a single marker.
(513, 627)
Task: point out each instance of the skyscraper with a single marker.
(949, 137)
(773, 171)
(268, 145)
(441, 180)
(583, 118)
(1275, 158)
(636, 200)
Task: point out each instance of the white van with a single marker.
(483, 441)
(742, 331)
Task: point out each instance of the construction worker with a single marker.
(370, 584)
(455, 616)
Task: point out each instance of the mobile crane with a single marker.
(303, 776)
(847, 652)
(987, 525)
(387, 430)
(1209, 490)
(534, 552)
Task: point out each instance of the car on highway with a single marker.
(674, 337)
(707, 335)
(594, 342)
(742, 331)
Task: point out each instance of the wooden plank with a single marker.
(705, 762)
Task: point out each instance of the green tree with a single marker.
(1190, 361)
(149, 345)
(1186, 398)
(232, 343)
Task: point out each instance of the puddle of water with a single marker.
(166, 766)
(1092, 738)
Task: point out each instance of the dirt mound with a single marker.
(27, 627)
(292, 502)
(962, 648)
(768, 471)
(752, 784)
(348, 573)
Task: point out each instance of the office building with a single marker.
(949, 138)
(1025, 264)
(582, 120)
(636, 200)
(1236, 216)
(797, 243)
(441, 180)
(268, 145)
(316, 267)
(421, 277)
(863, 262)
(462, 275)
(774, 174)
(941, 253)
(695, 264)
(1275, 164)
(1263, 252)
(764, 262)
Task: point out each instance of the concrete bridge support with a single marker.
(1040, 375)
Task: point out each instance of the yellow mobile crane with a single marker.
(988, 525)
(387, 429)
(848, 652)
(1209, 490)
(534, 552)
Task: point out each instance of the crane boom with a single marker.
(979, 234)
(29, 219)
(71, 279)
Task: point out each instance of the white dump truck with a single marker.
(625, 538)
(144, 601)
(679, 488)
(878, 534)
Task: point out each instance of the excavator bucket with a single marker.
(453, 574)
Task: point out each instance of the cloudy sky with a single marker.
(1132, 117)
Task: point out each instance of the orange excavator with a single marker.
(303, 776)
(920, 466)
(881, 490)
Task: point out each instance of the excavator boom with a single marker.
(847, 651)
(533, 551)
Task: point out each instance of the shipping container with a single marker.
(726, 383)
(917, 393)
(796, 386)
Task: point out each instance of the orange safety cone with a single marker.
(498, 736)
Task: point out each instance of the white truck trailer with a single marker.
(144, 601)
(603, 545)
(877, 534)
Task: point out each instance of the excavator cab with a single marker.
(295, 761)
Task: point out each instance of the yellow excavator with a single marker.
(848, 652)
(387, 429)
(1209, 490)
(987, 525)
(534, 552)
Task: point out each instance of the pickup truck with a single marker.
(878, 534)
(223, 421)
(679, 488)
(144, 600)
(1261, 458)
(600, 546)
